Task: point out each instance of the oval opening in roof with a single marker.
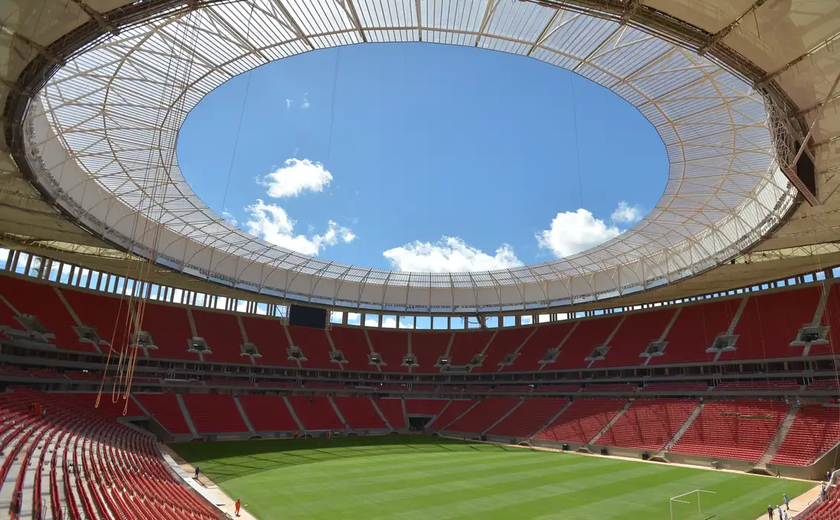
(422, 157)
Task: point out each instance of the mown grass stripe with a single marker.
(421, 478)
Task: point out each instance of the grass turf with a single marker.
(427, 478)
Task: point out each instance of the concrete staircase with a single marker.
(465, 412)
(292, 412)
(187, 417)
(553, 418)
(685, 426)
(381, 415)
(773, 447)
(244, 415)
(612, 421)
(502, 418)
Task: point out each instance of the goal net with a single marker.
(688, 505)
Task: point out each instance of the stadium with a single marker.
(158, 361)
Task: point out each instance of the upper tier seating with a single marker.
(428, 347)
(268, 413)
(768, 323)
(506, 341)
(771, 321)
(648, 424)
(587, 335)
(467, 345)
(448, 415)
(223, 336)
(392, 409)
(637, 331)
(213, 413)
(739, 429)
(43, 302)
(392, 346)
(269, 336)
(695, 330)
(815, 430)
(530, 417)
(315, 413)
(170, 329)
(315, 347)
(545, 338)
(359, 413)
(354, 346)
(582, 420)
(484, 415)
(165, 410)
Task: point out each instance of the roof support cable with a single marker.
(577, 140)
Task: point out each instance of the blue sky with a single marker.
(423, 157)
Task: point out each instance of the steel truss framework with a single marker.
(101, 139)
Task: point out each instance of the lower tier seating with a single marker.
(530, 417)
(164, 409)
(739, 429)
(77, 462)
(211, 413)
(268, 413)
(648, 424)
(815, 430)
(393, 411)
(450, 413)
(359, 413)
(316, 413)
(484, 415)
(582, 420)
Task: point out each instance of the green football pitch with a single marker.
(428, 478)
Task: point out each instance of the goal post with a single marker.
(677, 499)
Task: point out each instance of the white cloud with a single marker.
(271, 223)
(305, 104)
(227, 215)
(289, 103)
(371, 322)
(391, 323)
(295, 177)
(449, 254)
(627, 214)
(575, 231)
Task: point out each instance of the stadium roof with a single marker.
(118, 80)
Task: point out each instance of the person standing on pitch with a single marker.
(770, 511)
(779, 508)
(196, 472)
(787, 501)
(237, 506)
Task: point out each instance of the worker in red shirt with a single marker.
(237, 506)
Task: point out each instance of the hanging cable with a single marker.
(332, 103)
(577, 141)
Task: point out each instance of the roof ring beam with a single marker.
(51, 56)
(721, 34)
(631, 8)
(96, 15)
